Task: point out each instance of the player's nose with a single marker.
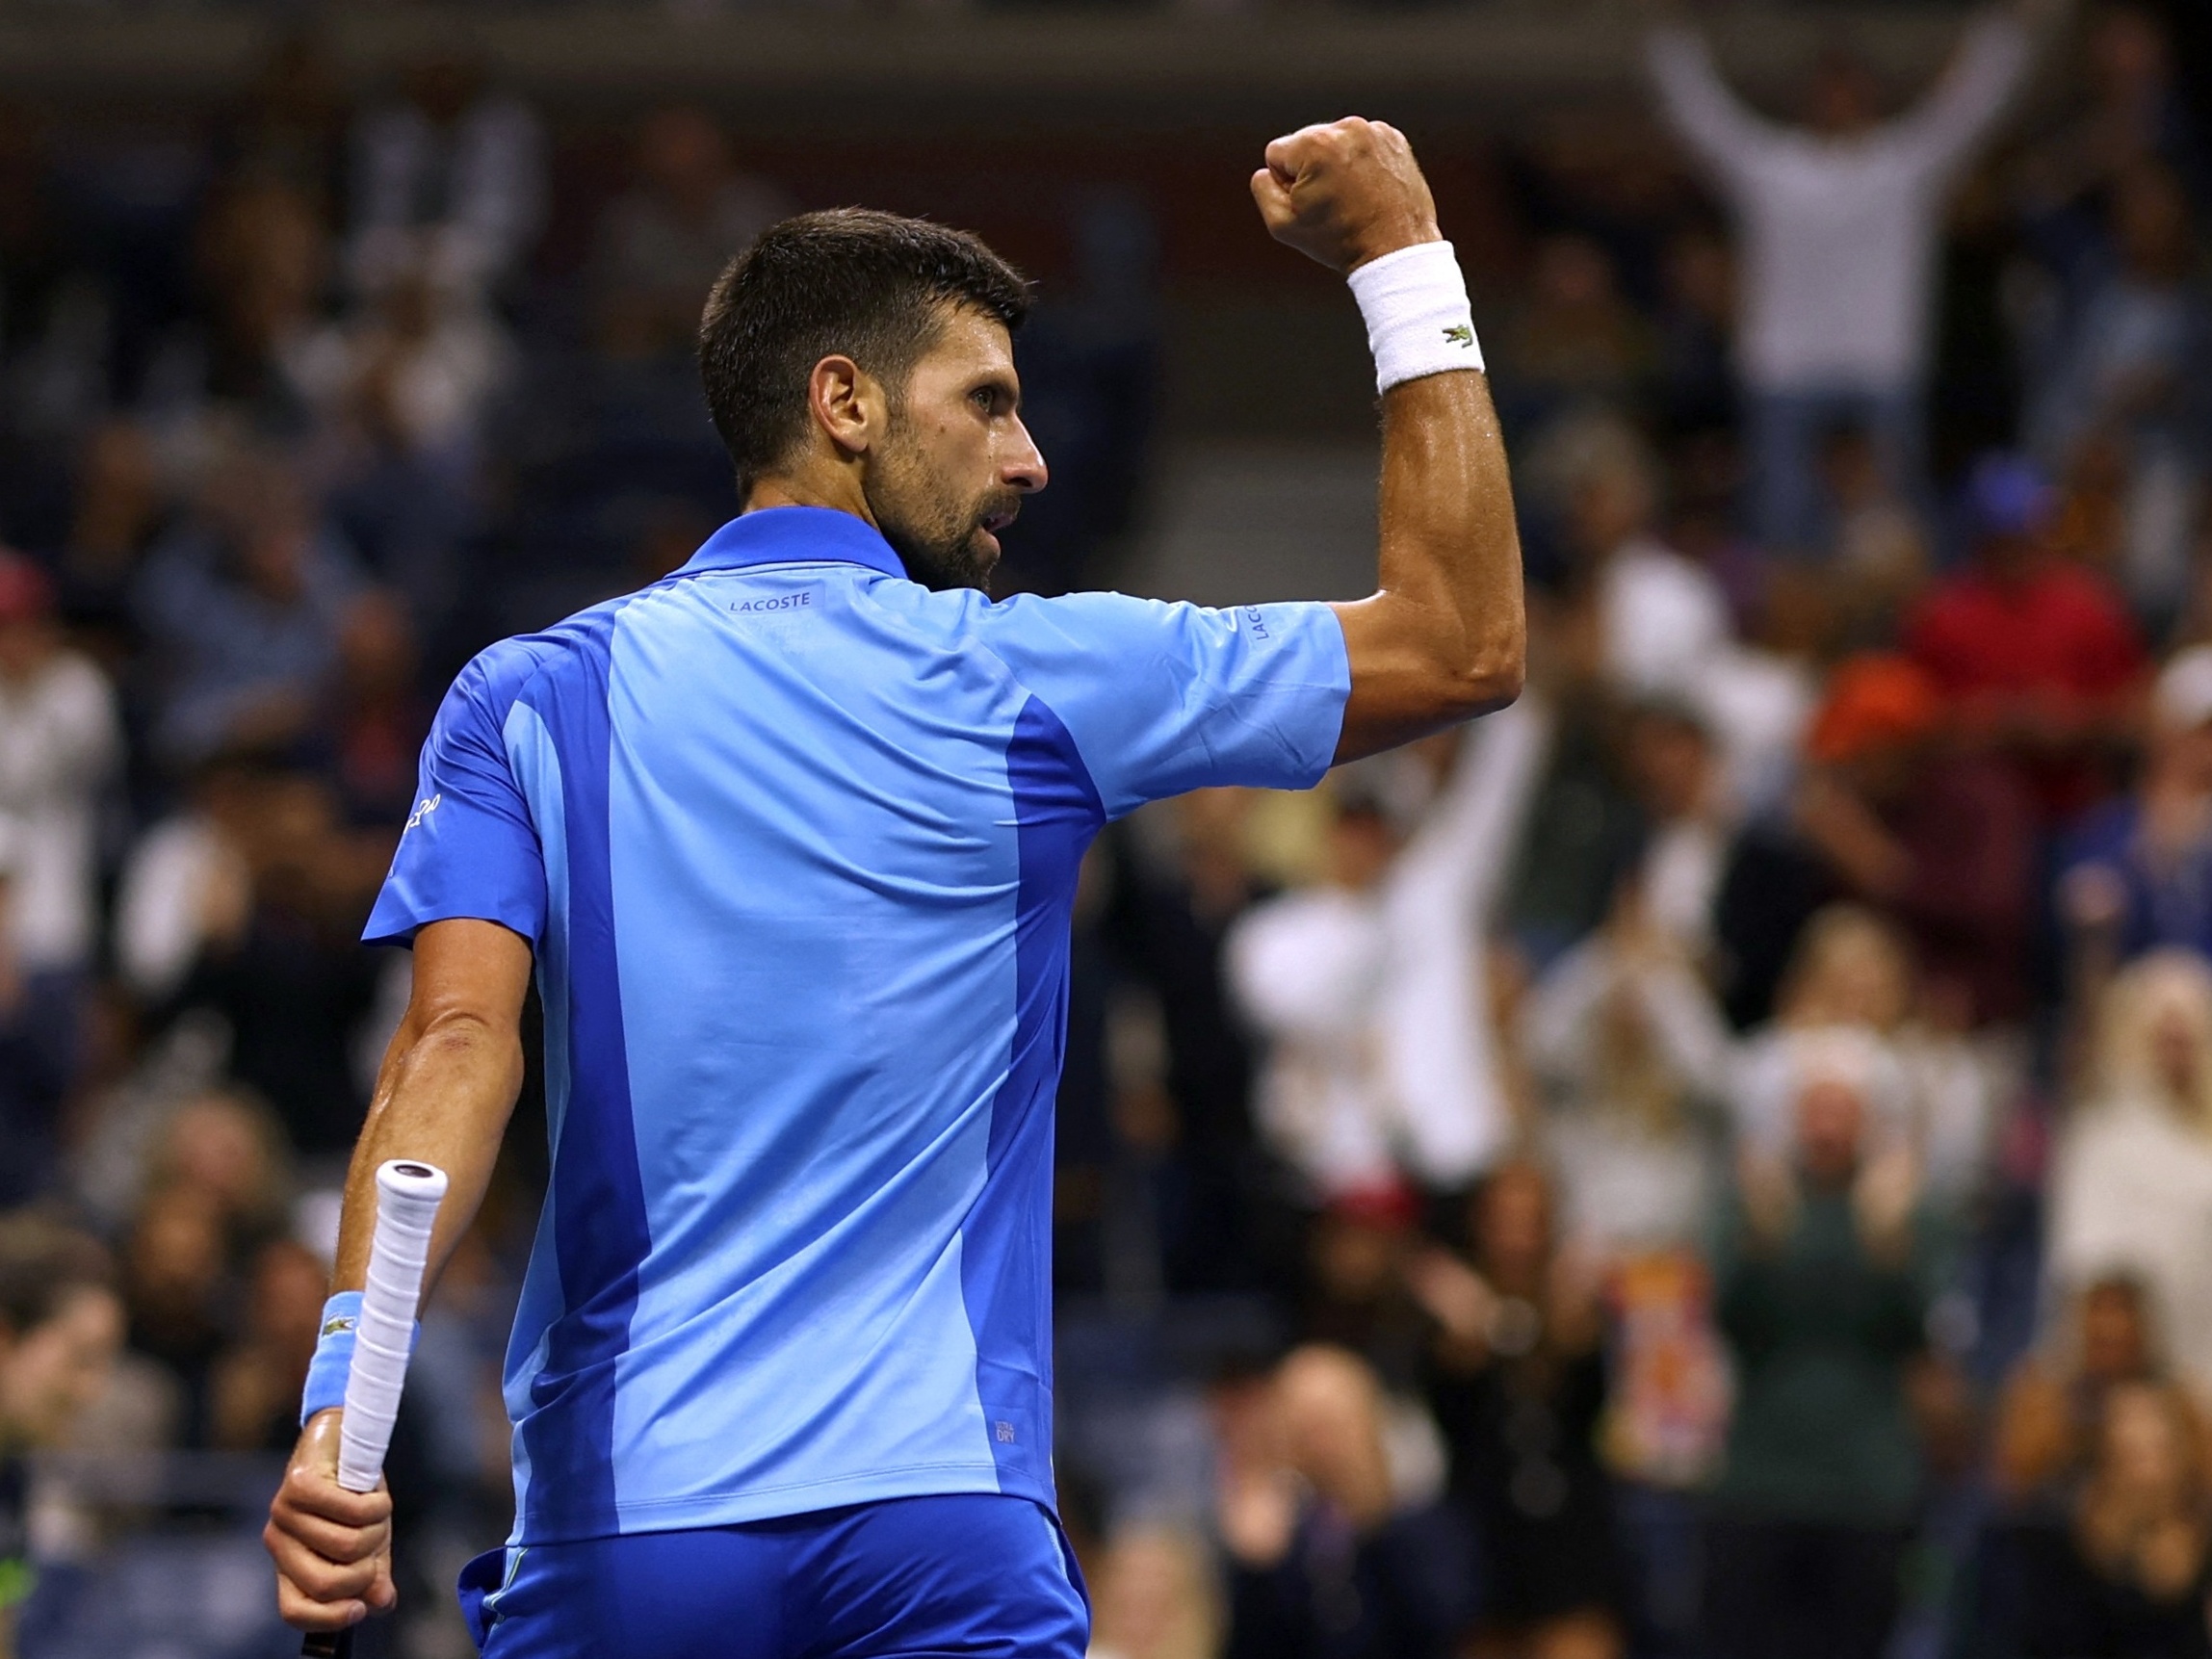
(1022, 467)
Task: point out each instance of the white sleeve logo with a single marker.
(423, 810)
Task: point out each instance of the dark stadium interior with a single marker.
(1839, 1249)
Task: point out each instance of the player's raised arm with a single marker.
(1444, 636)
(448, 1082)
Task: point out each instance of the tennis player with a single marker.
(790, 839)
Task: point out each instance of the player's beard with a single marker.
(938, 535)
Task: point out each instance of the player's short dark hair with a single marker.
(871, 286)
(43, 1265)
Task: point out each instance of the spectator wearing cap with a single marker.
(1896, 813)
(2036, 654)
(1847, 996)
(2137, 873)
(60, 741)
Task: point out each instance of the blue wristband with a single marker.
(334, 1357)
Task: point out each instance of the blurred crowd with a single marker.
(1713, 1161)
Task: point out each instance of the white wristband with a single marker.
(1419, 323)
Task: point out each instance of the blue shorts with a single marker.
(908, 1578)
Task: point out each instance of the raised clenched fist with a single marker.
(1346, 193)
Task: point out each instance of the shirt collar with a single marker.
(795, 535)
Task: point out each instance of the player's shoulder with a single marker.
(1016, 629)
(495, 677)
(1080, 622)
(1101, 643)
(498, 675)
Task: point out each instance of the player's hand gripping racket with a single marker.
(408, 1197)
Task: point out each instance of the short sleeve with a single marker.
(470, 848)
(1163, 698)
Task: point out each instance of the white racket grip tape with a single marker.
(408, 1193)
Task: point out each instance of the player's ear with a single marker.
(847, 405)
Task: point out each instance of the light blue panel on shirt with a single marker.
(817, 978)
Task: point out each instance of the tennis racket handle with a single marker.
(408, 1197)
(408, 1193)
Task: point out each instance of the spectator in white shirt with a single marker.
(1635, 1060)
(188, 883)
(1663, 626)
(1837, 222)
(59, 744)
(1374, 990)
(2131, 1184)
(1851, 1006)
(1659, 616)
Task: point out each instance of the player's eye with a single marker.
(985, 399)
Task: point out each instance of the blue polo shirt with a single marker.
(796, 843)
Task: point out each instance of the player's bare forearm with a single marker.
(1446, 635)
(447, 1085)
